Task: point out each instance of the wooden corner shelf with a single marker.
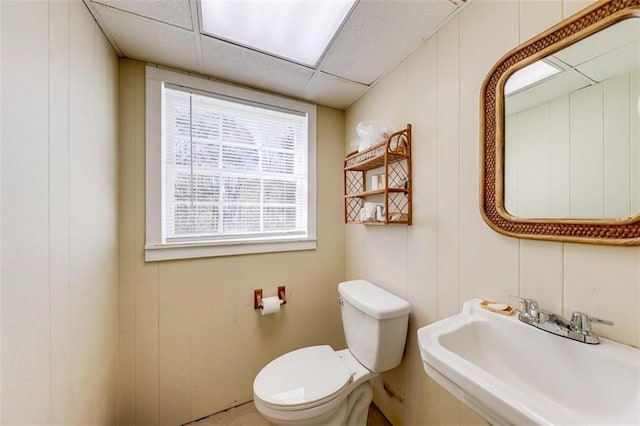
(390, 162)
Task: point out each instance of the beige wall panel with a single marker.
(617, 147)
(107, 89)
(511, 156)
(448, 171)
(138, 282)
(126, 243)
(203, 302)
(587, 168)
(422, 242)
(84, 169)
(1, 240)
(61, 389)
(422, 77)
(471, 259)
(560, 149)
(146, 344)
(92, 200)
(571, 7)
(488, 261)
(175, 289)
(225, 301)
(541, 273)
(605, 282)
(64, 71)
(634, 157)
(25, 295)
(209, 340)
(533, 161)
(390, 270)
(468, 417)
(537, 16)
(146, 282)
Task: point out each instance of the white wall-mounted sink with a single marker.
(512, 373)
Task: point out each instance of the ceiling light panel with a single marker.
(529, 75)
(298, 30)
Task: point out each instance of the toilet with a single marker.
(318, 385)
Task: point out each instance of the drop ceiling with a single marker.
(606, 54)
(377, 35)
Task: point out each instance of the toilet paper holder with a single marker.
(257, 297)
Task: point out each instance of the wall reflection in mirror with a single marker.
(572, 130)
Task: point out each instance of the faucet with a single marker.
(578, 328)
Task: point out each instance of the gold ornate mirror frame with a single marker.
(624, 231)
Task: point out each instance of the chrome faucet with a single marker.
(578, 328)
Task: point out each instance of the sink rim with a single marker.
(482, 389)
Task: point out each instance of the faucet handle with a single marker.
(530, 306)
(582, 322)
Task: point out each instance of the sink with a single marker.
(512, 373)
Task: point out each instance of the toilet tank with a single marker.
(375, 324)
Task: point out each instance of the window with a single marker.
(229, 170)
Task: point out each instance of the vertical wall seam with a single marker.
(630, 144)
(68, 201)
(458, 158)
(519, 240)
(191, 325)
(435, 196)
(49, 205)
(604, 152)
(68, 223)
(1, 240)
(135, 269)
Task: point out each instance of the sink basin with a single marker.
(512, 373)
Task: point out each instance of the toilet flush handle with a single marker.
(340, 301)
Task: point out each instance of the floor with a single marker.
(247, 415)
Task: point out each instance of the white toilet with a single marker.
(320, 386)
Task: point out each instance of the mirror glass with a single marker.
(572, 130)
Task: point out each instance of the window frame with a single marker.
(156, 249)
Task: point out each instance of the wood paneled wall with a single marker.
(449, 255)
(58, 207)
(577, 155)
(190, 340)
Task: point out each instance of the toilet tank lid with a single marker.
(372, 300)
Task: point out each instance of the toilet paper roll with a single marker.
(270, 305)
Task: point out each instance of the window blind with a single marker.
(232, 170)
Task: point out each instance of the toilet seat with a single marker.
(302, 379)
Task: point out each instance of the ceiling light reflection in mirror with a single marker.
(572, 139)
(298, 30)
(529, 75)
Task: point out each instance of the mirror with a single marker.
(561, 132)
(571, 130)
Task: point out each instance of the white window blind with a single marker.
(232, 170)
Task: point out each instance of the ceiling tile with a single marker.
(332, 91)
(546, 91)
(379, 35)
(600, 43)
(174, 12)
(244, 66)
(619, 61)
(149, 40)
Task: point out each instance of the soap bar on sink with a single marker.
(500, 308)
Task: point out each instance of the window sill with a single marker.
(174, 251)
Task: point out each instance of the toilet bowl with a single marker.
(288, 392)
(318, 385)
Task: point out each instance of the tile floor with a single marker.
(247, 415)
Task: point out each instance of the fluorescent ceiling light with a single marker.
(299, 30)
(529, 75)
